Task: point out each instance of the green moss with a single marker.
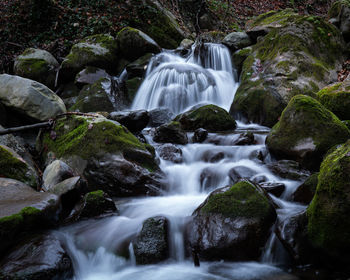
(241, 200)
(329, 226)
(281, 17)
(33, 67)
(20, 219)
(95, 198)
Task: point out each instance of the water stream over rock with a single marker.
(101, 249)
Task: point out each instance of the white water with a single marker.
(98, 247)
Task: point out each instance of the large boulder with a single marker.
(152, 243)
(14, 167)
(22, 210)
(305, 132)
(106, 153)
(336, 98)
(133, 43)
(300, 54)
(209, 117)
(339, 14)
(328, 222)
(30, 98)
(233, 223)
(38, 65)
(37, 257)
(97, 50)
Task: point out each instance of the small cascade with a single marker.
(178, 83)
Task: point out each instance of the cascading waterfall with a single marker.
(98, 247)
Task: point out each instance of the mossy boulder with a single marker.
(233, 223)
(336, 98)
(209, 117)
(96, 97)
(305, 132)
(299, 55)
(29, 98)
(97, 50)
(239, 56)
(38, 65)
(109, 156)
(14, 167)
(328, 213)
(23, 210)
(133, 43)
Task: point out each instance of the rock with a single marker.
(212, 156)
(239, 56)
(55, 173)
(97, 50)
(37, 257)
(209, 179)
(288, 169)
(132, 86)
(170, 133)
(209, 117)
(246, 138)
(38, 65)
(306, 191)
(328, 223)
(14, 167)
(186, 43)
(23, 209)
(133, 43)
(339, 15)
(97, 97)
(233, 223)
(30, 98)
(305, 132)
(240, 172)
(102, 150)
(90, 75)
(152, 244)
(94, 204)
(138, 67)
(199, 136)
(336, 98)
(3, 115)
(160, 116)
(237, 40)
(276, 189)
(286, 62)
(170, 152)
(134, 120)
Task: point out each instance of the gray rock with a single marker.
(240, 172)
(186, 43)
(30, 98)
(274, 188)
(37, 257)
(90, 75)
(55, 173)
(170, 152)
(237, 40)
(289, 169)
(160, 116)
(152, 245)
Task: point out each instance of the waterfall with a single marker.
(178, 83)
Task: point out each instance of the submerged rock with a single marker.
(199, 136)
(152, 243)
(37, 258)
(232, 224)
(305, 132)
(240, 172)
(30, 98)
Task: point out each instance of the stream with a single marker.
(204, 76)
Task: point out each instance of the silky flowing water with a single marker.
(101, 248)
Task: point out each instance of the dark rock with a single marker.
(37, 258)
(259, 179)
(306, 191)
(134, 120)
(209, 179)
(213, 156)
(276, 189)
(246, 138)
(240, 172)
(138, 67)
(170, 152)
(152, 244)
(288, 169)
(160, 116)
(200, 135)
(170, 133)
(3, 115)
(132, 86)
(233, 223)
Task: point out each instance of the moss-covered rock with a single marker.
(305, 132)
(328, 213)
(209, 117)
(336, 98)
(38, 65)
(97, 50)
(300, 54)
(14, 167)
(133, 43)
(232, 223)
(239, 56)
